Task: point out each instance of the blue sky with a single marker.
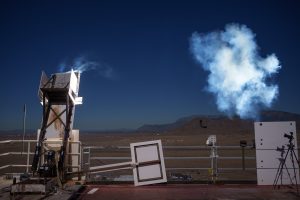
(154, 78)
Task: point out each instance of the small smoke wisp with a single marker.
(81, 64)
(238, 75)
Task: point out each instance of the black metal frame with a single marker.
(54, 96)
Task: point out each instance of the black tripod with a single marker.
(282, 165)
(282, 162)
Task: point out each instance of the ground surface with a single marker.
(161, 192)
(187, 192)
(61, 194)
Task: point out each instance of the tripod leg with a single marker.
(295, 174)
(296, 159)
(278, 175)
(298, 168)
(282, 164)
(287, 170)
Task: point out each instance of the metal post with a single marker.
(214, 163)
(80, 156)
(243, 144)
(24, 127)
(28, 155)
(214, 167)
(211, 141)
(216, 159)
(79, 161)
(88, 163)
(243, 157)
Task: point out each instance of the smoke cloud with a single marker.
(238, 75)
(81, 64)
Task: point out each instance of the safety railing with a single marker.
(89, 154)
(30, 144)
(92, 157)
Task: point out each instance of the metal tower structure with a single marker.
(58, 95)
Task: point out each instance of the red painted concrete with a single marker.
(188, 192)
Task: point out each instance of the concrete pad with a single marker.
(187, 192)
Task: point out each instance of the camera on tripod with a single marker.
(289, 136)
(280, 149)
(282, 164)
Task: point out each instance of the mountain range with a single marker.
(195, 123)
(202, 121)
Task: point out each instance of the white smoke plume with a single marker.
(81, 64)
(238, 75)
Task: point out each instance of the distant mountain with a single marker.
(162, 127)
(178, 123)
(279, 116)
(110, 131)
(193, 123)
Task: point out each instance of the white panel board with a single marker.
(269, 136)
(267, 177)
(150, 172)
(147, 153)
(57, 118)
(150, 166)
(56, 129)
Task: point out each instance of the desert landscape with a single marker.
(189, 131)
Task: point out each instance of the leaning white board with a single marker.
(149, 159)
(269, 136)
